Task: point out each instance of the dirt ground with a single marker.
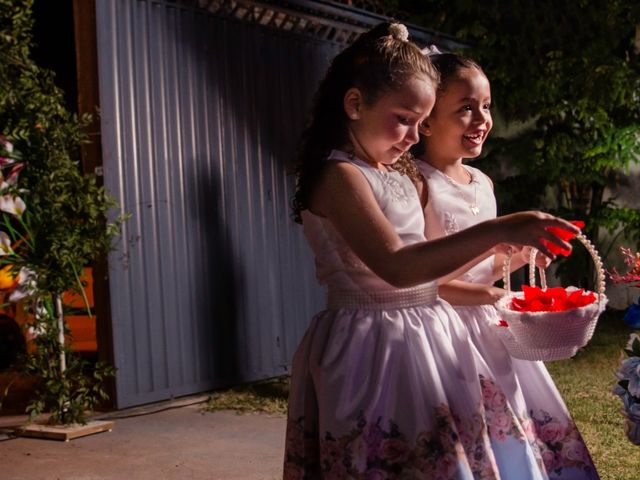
(165, 443)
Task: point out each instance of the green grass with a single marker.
(585, 382)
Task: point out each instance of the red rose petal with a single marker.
(564, 235)
(551, 300)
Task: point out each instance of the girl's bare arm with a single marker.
(345, 198)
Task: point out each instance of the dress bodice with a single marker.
(337, 266)
(454, 206)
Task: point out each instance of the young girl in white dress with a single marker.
(385, 382)
(459, 196)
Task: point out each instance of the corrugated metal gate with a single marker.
(212, 283)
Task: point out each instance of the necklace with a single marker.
(473, 206)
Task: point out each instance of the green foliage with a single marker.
(70, 395)
(570, 73)
(65, 224)
(66, 211)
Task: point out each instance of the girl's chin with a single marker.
(394, 156)
(391, 161)
(473, 152)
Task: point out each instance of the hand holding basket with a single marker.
(549, 335)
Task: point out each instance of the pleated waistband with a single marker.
(383, 300)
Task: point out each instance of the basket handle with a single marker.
(600, 283)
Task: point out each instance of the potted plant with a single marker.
(53, 219)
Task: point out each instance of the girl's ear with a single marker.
(424, 129)
(352, 103)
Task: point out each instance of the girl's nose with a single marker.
(482, 116)
(412, 135)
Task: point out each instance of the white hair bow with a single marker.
(430, 50)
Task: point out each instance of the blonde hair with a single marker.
(406, 165)
(380, 60)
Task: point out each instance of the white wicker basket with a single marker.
(549, 335)
(526, 352)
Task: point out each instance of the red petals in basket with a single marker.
(564, 235)
(551, 300)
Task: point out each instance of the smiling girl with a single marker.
(459, 196)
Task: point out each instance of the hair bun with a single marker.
(399, 32)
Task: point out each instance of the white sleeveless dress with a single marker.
(527, 385)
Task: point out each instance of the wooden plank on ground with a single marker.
(64, 432)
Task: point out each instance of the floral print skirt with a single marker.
(406, 394)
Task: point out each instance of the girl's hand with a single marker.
(529, 228)
(542, 261)
(503, 248)
(495, 293)
(459, 292)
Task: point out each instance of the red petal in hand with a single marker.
(564, 235)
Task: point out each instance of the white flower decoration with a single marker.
(26, 285)
(430, 50)
(399, 32)
(5, 244)
(12, 204)
(632, 338)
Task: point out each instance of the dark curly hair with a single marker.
(450, 66)
(379, 61)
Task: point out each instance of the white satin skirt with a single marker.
(390, 385)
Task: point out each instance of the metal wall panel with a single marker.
(212, 283)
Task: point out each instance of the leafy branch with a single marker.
(54, 219)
